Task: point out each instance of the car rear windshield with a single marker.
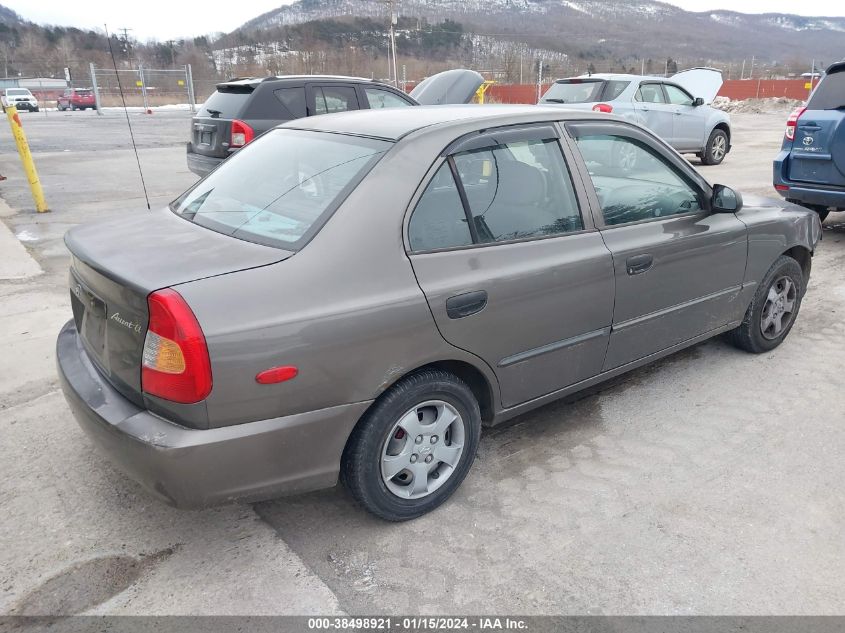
(83, 92)
(279, 189)
(830, 93)
(226, 104)
(584, 90)
(17, 92)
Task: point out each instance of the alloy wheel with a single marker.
(779, 309)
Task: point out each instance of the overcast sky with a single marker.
(171, 19)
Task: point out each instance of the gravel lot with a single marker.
(707, 483)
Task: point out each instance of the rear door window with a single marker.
(329, 99)
(650, 93)
(517, 190)
(224, 105)
(830, 93)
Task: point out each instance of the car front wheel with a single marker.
(414, 447)
(773, 310)
(716, 148)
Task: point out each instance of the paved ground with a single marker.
(706, 483)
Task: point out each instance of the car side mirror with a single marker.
(725, 200)
(698, 101)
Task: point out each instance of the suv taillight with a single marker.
(175, 365)
(241, 134)
(603, 107)
(792, 122)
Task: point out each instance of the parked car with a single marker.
(353, 295)
(810, 168)
(21, 98)
(676, 109)
(242, 109)
(76, 99)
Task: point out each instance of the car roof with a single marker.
(614, 76)
(395, 123)
(254, 81)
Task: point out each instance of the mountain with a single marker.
(9, 17)
(602, 29)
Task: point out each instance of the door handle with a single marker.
(638, 264)
(466, 304)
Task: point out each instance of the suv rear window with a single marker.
(83, 92)
(584, 90)
(226, 105)
(280, 189)
(830, 93)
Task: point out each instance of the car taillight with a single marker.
(175, 363)
(603, 107)
(792, 122)
(241, 134)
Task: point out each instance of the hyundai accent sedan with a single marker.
(354, 295)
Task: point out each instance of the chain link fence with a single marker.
(145, 87)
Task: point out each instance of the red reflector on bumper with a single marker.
(276, 374)
(782, 187)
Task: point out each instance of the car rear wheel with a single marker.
(716, 149)
(414, 446)
(773, 310)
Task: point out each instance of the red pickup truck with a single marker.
(76, 99)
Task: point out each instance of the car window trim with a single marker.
(622, 128)
(581, 199)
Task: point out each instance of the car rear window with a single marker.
(584, 90)
(84, 93)
(830, 93)
(17, 92)
(226, 105)
(280, 189)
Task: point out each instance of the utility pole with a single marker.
(392, 71)
(751, 74)
(742, 73)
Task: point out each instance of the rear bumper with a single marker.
(805, 193)
(199, 164)
(191, 468)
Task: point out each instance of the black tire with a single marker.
(749, 336)
(823, 213)
(716, 148)
(361, 464)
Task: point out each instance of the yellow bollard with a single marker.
(26, 159)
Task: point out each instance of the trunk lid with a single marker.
(456, 86)
(116, 264)
(700, 82)
(211, 128)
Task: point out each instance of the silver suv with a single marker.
(675, 108)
